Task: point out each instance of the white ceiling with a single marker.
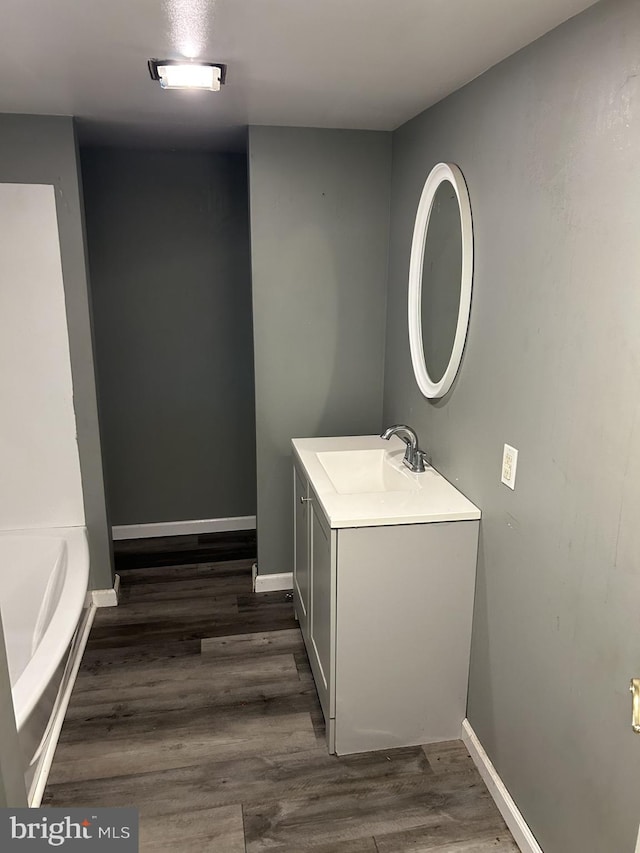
(366, 64)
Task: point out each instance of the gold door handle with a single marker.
(635, 705)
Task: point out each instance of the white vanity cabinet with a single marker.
(385, 609)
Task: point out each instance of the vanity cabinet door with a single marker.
(321, 645)
(301, 564)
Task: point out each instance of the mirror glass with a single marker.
(440, 279)
(441, 273)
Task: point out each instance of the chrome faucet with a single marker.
(414, 458)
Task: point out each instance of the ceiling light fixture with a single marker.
(181, 74)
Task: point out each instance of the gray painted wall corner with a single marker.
(319, 208)
(93, 467)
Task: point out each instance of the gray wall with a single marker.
(168, 239)
(549, 143)
(42, 150)
(319, 230)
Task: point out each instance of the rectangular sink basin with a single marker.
(360, 481)
(355, 472)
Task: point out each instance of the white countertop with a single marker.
(431, 498)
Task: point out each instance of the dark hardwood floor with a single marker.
(183, 550)
(195, 703)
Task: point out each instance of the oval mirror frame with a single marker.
(441, 172)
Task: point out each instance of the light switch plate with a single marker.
(509, 465)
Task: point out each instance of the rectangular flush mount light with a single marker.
(179, 74)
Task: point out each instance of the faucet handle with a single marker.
(417, 462)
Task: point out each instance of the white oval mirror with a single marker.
(440, 279)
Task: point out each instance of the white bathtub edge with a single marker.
(62, 628)
(107, 597)
(46, 760)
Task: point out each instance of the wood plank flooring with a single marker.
(180, 550)
(195, 703)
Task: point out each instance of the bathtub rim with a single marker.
(57, 638)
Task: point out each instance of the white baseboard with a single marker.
(183, 528)
(107, 597)
(271, 583)
(60, 709)
(512, 815)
